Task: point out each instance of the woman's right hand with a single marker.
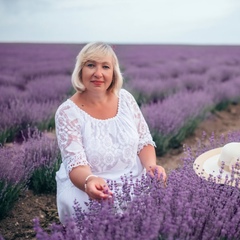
(97, 188)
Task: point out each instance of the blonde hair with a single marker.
(93, 51)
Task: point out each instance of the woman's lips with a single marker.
(97, 82)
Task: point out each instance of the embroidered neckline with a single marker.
(98, 119)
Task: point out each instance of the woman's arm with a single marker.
(73, 154)
(95, 187)
(148, 159)
(146, 150)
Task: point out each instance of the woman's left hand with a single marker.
(159, 170)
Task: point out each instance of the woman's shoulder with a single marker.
(127, 97)
(125, 93)
(67, 108)
(63, 106)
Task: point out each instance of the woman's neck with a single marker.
(95, 98)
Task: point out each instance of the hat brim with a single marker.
(206, 165)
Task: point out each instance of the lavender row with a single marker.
(172, 119)
(156, 72)
(152, 90)
(35, 104)
(34, 80)
(19, 63)
(188, 207)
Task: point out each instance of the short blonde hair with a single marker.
(93, 51)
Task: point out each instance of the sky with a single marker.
(215, 22)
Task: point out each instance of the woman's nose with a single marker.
(98, 72)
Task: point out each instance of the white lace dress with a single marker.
(110, 147)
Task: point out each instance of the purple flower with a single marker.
(189, 207)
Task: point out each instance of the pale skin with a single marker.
(100, 103)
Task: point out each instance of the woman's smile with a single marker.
(97, 82)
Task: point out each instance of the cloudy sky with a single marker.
(121, 21)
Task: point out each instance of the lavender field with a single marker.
(175, 86)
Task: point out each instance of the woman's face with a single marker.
(97, 74)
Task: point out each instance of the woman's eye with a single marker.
(90, 65)
(106, 67)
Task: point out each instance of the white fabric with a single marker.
(110, 147)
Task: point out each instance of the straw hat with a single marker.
(221, 163)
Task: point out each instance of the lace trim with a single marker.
(75, 161)
(144, 144)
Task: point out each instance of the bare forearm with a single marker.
(148, 159)
(78, 176)
(148, 156)
(94, 186)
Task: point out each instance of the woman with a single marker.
(101, 132)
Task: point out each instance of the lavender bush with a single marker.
(32, 164)
(13, 177)
(171, 120)
(188, 207)
(9, 194)
(169, 68)
(18, 114)
(42, 153)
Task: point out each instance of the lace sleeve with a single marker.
(145, 137)
(68, 132)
